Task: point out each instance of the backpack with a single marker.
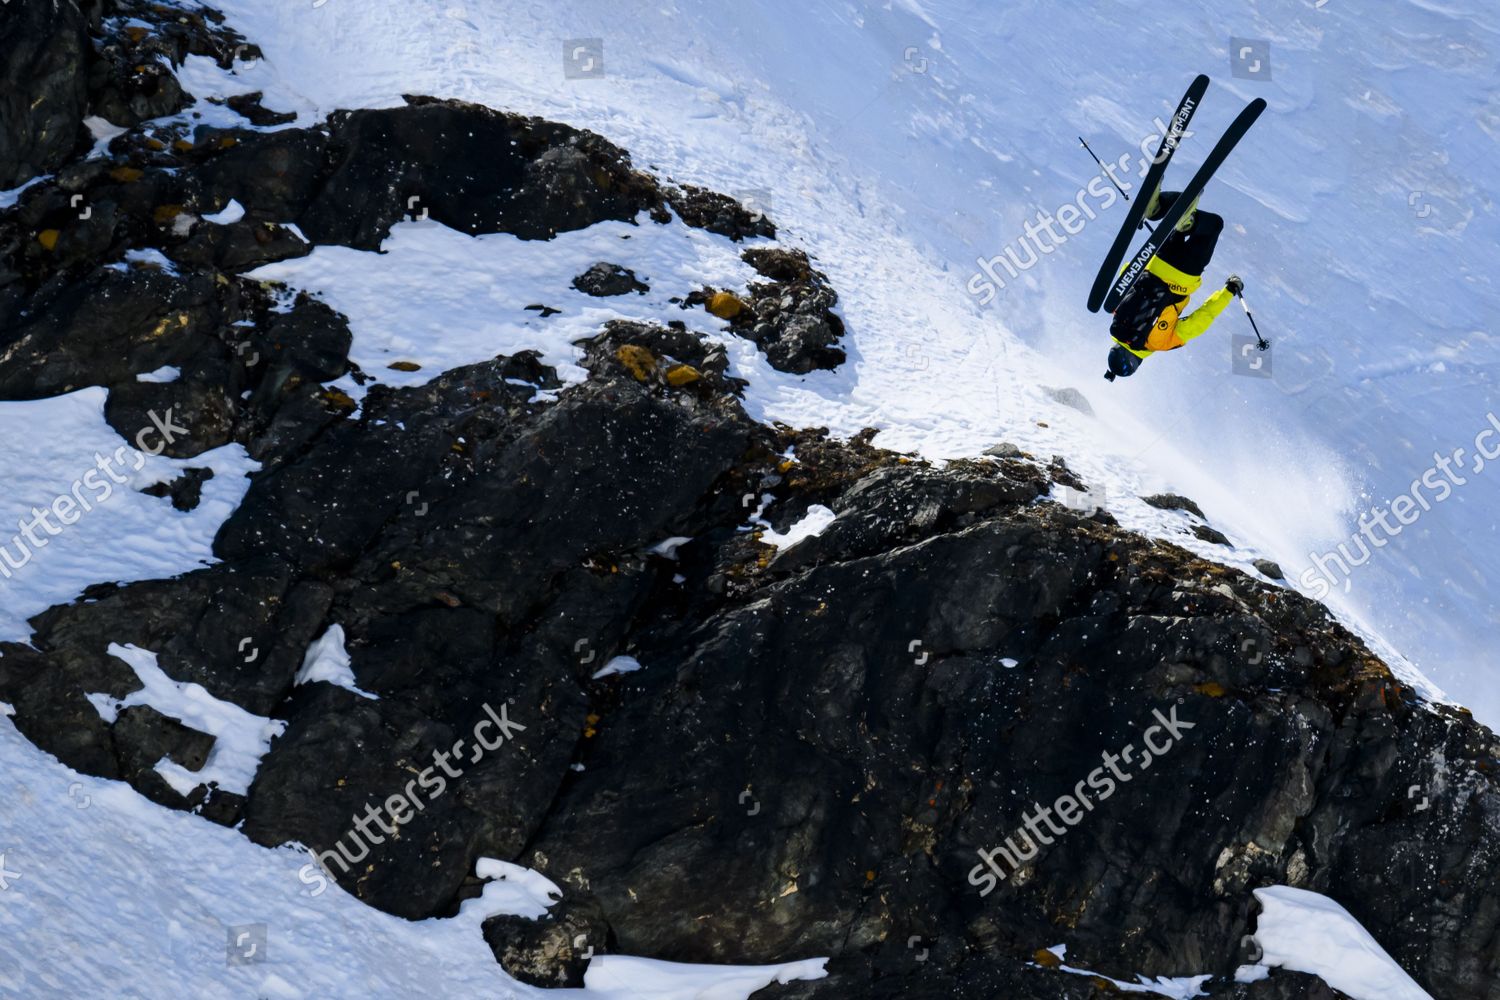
(1138, 311)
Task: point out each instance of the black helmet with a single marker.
(1121, 363)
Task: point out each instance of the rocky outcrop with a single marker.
(790, 318)
(605, 279)
(822, 738)
(43, 95)
(63, 61)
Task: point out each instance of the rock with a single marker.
(1003, 450)
(1070, 396)
(476, 170)
(186, 490)
(791, 318)
(637, 360)
(718, 213)
(43, 96)
(1211, 535)
(249, 105)
(781, 265)
(1171, 501)
(144, 737)
(553, 951)
(726, 305)
(108, 328)
(689, 360)
(129, 86)
(1283, 985)
(130, 72)
(1064, 476)
(604, 279)
(1269, 569)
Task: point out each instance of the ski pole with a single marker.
(1105, 169)
(1144, 224)
(1260, 342)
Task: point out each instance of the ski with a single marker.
(1168, 223)
(1136, 213)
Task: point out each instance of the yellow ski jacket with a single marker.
(1172, 329)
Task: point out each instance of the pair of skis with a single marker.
(1112, 283)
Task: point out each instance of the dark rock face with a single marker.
(43, 99)
(469, 168)
(833, 733)
(605, 279)
(823, 738)
(1017, 980)
(59, 65)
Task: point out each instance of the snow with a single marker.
(52, 448)
(618, 977)
(166, 373)
(327, 660)
(441, 298)
(9, 198)
(516, 890)
(152, 258)
(810, 525)
(667, 548)
(1307, 932)
(241, 739)
(103, 133)
(1251, 973)
(618, 665)
(230, 214)
(1178, 987)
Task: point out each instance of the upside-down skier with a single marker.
(1150, 317)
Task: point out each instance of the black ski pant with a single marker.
(1191, 251)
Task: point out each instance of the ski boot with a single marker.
(1161, 202)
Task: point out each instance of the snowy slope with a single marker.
(898, 142)
(902, 142)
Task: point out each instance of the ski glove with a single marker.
(1234, 284)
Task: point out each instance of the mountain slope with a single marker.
(499, 396)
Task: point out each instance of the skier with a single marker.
(1149, 318)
